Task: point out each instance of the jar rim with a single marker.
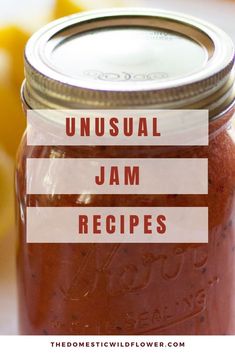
(210, 87)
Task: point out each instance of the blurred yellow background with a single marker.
(13, 38)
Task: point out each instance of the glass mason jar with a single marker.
(142, 59)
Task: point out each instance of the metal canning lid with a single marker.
(131, 58)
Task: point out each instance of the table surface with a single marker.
(220, 12)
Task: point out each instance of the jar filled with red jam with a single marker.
(131, 59)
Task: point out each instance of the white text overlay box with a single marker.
(117, 127)
(117, 176)
(117, 224)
